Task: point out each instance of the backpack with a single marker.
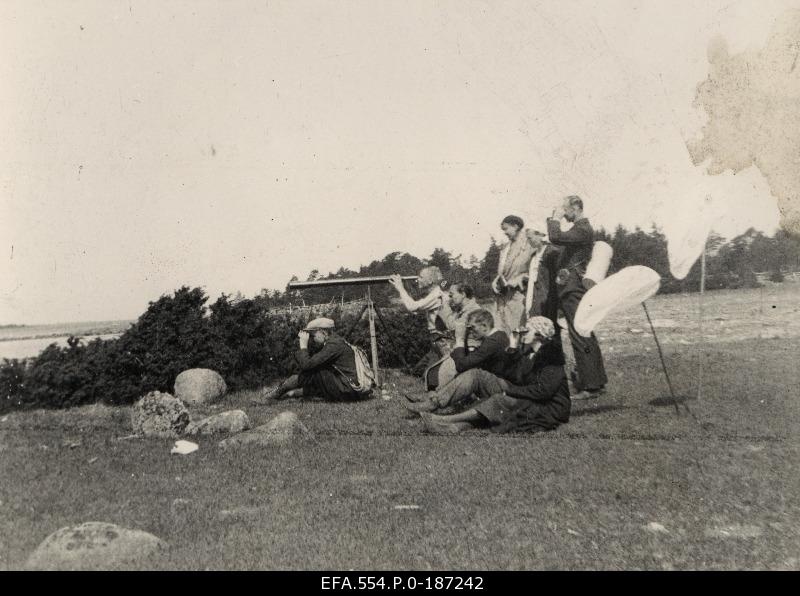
(364, 375)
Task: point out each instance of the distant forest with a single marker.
(729, 264)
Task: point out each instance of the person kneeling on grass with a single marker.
(327, 374)
(477, 370)
(534, 398)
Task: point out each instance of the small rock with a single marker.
(199, 386)
(159, 415)
(656, 528)
(281, 430)
(92, 546)
(234, 421)
(184, 447)
(635, 330)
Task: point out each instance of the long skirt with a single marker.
(510, 307)
(591, 372)
(511, 414)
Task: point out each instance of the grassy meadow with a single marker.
(627, 484)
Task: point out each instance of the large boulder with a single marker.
(199, 386)
(159, 415)
(93, 546)
(281, 430)
(233, 421)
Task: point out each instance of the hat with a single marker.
(320, 323)
(541, 326)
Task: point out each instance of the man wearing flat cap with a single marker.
(329, 374)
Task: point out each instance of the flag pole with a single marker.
(700, 321)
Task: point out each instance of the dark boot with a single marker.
(266, 396)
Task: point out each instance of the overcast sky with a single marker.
(230, 145)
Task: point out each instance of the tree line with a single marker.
(730, 263)
(250, 345)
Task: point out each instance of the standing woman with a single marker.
(513, 271)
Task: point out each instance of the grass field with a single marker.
(626, 484)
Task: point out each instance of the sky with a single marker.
(231, 145)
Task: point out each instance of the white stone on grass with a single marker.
(656, 528)
(184, 447)
(93, 546)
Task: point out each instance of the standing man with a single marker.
(576, 252)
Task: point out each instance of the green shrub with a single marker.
(13, 393)
(776, 276)
(248, 346)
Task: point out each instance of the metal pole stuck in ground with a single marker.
(661, 356)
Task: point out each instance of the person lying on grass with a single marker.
(477, 370)
(327, 374)
(533, 397)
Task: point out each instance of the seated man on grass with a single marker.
(329, 374)
(437, 367)
(475, 369)
(533, 397)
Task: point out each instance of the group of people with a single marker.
(506, 368)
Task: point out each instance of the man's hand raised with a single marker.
(397, 281)
(303, 338)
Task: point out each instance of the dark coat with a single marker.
(545, 292)
(539, 391)
(331, 372)
(577, 245)
(489, 356)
